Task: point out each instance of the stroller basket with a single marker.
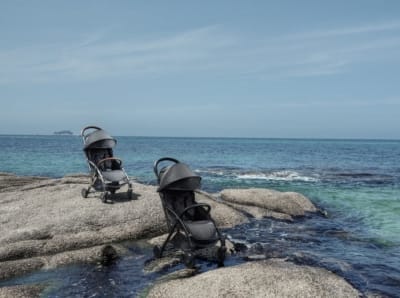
(107, 172)
(189, 223)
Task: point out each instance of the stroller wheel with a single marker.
(104, 197)
(129, 194)
(157, 251)
(221, 256)
(84, 193)
(188, 259)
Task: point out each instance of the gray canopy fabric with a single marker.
(99, 139)
(179, 177)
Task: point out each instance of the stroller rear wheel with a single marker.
(188, 260)
(129, 194)
(157, 251)
(84, 193)
(104, 196)
(221, 253)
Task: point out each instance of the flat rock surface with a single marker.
(21, 291)
(42, 217)
(272, 278)
(289, 203)
(46, 223)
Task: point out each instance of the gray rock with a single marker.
(21, 291)
(290, 203)
(224, 216)
(10, 181)
(272, 278)
(258, 212)
(45, 222)
(103, 254)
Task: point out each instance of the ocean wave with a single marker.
(278, 176)
(240, 174)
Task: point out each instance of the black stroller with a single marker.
(189, 223)
(107, 173)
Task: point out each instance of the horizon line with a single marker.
(220, 137)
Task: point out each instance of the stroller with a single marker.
(189, 223)
(107, 173)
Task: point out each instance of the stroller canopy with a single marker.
(99, 139)
(178, 177)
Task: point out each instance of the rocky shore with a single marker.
(45, 223)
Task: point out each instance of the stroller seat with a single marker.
(188, 222)
(113, 175)
(107, 173)
(202, 231)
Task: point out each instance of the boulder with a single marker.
(224, 215)
(289, 203)
(46, 223)
(271, 278)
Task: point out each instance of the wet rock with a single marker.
(289, 203)
(173, 256)
(21, 291)
(271, 278)
(183, 273)
(157, 265)
(11, 269)
(104, 254)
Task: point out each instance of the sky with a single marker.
(279, 69)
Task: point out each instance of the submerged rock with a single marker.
(289, 203)
(271, 278)
(103, 254)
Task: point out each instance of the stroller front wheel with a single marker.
(84, 193)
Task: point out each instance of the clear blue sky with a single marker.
(201, 68)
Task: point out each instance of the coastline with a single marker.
(49, 225)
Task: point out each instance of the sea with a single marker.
(354, 183)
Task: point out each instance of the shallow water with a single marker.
(356, 181)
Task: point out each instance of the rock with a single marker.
(21, 291)
(46, 223)
(11, 181)
(258, 212)
(290, 203)
(103, 254)
(224, 216)
(271, 278)
(11, 269)
(157, 265)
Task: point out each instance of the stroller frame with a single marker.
(97, 180)
(180, 225)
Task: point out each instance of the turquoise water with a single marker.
(356, 181)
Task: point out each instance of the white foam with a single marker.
(278, 176)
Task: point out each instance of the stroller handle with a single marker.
(89, 127)
(156, 163)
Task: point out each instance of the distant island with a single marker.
(64, 132)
